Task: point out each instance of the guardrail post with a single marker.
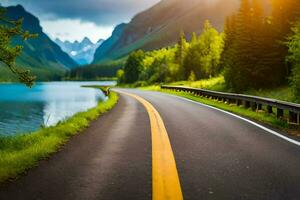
(279, 113)
(270, 109)
(256, 103)
(259, 106)
(247, 104)
(254, 106)
(294, 118)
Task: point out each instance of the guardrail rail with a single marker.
(256, 103)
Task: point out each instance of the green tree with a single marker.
(158, 71)
(181, 49)
(247, 57)
(192, 76)
(194, 39)
(133, 66)
(8, 53)
(229, 53)
(159, 66)
(120, 76)
(238, 68)
(284, 13)
(180, 53)
(293, 45)
(203, 57)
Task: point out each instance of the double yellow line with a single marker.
(165, 180)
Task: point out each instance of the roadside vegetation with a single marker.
(19, 153)
(256, 54)
(284, 93)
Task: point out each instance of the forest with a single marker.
(257, 49)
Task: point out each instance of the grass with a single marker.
(260, 116)
(283, 93)
(19, 153)
(216, 83)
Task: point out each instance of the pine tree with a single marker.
(229, 53)
(8, 31)
(294, 57)
(258, 68)
(239, 63)
(251, 55)
(180, 54)
(284, 15)
(181, 48)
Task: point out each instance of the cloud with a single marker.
(76, 19)
(74, 29)
(101, 12)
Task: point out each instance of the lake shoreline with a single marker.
(27, 109)
(22, 152)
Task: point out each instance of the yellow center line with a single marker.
(165, 179)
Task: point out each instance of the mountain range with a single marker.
(156, 27)
(82, 52)
(41, 55)
(106, 46)
(160, 25)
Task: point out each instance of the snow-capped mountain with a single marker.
(82, 52)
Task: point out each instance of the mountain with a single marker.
(161, 24)
(108, 44)
(82, 52)
(41, 55)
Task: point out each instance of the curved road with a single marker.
(218, 156)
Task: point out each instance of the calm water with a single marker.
(25, 110)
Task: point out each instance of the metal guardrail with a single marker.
(256, 103)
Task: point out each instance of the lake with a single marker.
(24, 110)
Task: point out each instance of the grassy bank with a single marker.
(283, 93)
(216, 83)
(239, 110)
(19, 153)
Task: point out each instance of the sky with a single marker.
(75, 19)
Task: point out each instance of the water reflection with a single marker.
(25, 110)
(17, 117)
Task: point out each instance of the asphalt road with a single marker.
(218, 156)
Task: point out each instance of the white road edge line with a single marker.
(246, 120)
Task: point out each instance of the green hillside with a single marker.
(41, 55)
(160, 25)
